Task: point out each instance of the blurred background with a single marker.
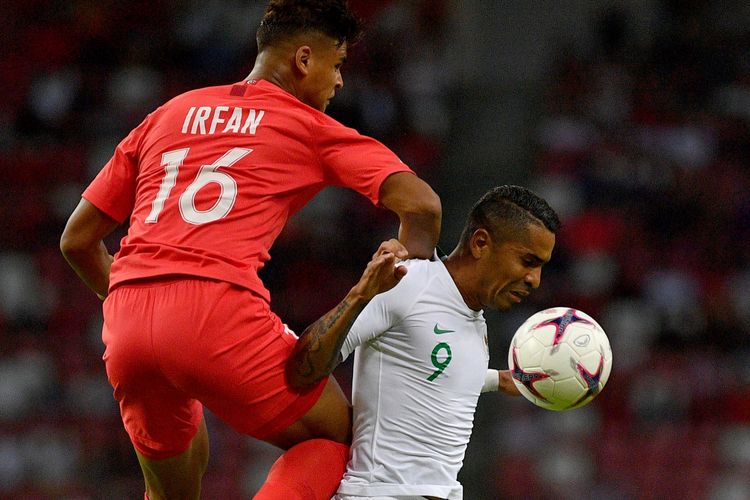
(631, 117)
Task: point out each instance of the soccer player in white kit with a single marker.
(421, 350)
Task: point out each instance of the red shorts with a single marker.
(174, 346)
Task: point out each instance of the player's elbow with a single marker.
(71, 245)
(421, 214)
(300, 383)
(299, 379)
(75, 238)
(426, 206)
(430, 206)
(408, 195)
(77, 247)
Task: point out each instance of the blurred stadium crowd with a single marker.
(645, 154)
(642, 150)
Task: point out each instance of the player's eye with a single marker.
(531, 262)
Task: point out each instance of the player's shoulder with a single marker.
(198, 94)
(180, 102)
(400, 299)
(320, 118)
(421, 265)
(420, 272)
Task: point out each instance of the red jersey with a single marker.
(210, 178)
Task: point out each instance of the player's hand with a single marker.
(382, 272)
(392, 246)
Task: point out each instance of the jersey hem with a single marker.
(432, 490)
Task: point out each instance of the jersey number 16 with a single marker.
(172, 161)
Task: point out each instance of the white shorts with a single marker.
(339, 496)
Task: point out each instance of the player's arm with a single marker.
(419, 210)
(500, 381)
(318, 350)
(82, 246)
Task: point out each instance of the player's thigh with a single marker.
(222, 346)
(329, 418)
(239, 372)
(160, 418)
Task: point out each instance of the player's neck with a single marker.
(460, 270)
(266, 68)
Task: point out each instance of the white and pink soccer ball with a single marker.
(560, 358)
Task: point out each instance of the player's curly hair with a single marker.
(505, 211)
(285, 18)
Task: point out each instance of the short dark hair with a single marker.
(506, 211)
(286, 18)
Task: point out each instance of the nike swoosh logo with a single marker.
(440, 331)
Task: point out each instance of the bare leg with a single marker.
(329, 418)
(177, 478)
(317, 451)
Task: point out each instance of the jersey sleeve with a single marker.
(352, 160)
(113, 190)
(383, 312)
(377, 317)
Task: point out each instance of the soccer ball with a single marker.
(560, 358)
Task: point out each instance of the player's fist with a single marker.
(382, 272)
(392, 246)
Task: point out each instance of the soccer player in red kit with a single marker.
(208, 181)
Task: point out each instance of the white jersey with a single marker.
(419, 367)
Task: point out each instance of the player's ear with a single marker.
(480, 243)
(302, 59)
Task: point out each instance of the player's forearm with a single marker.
(91, 264)
(500, 381)
(318, 350)
(507, 386)
(419, 210)
(419, 233)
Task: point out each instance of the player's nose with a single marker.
(534, 278)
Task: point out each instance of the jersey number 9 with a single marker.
(440, 365)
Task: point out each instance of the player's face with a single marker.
(323, 77)
(511, 269)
